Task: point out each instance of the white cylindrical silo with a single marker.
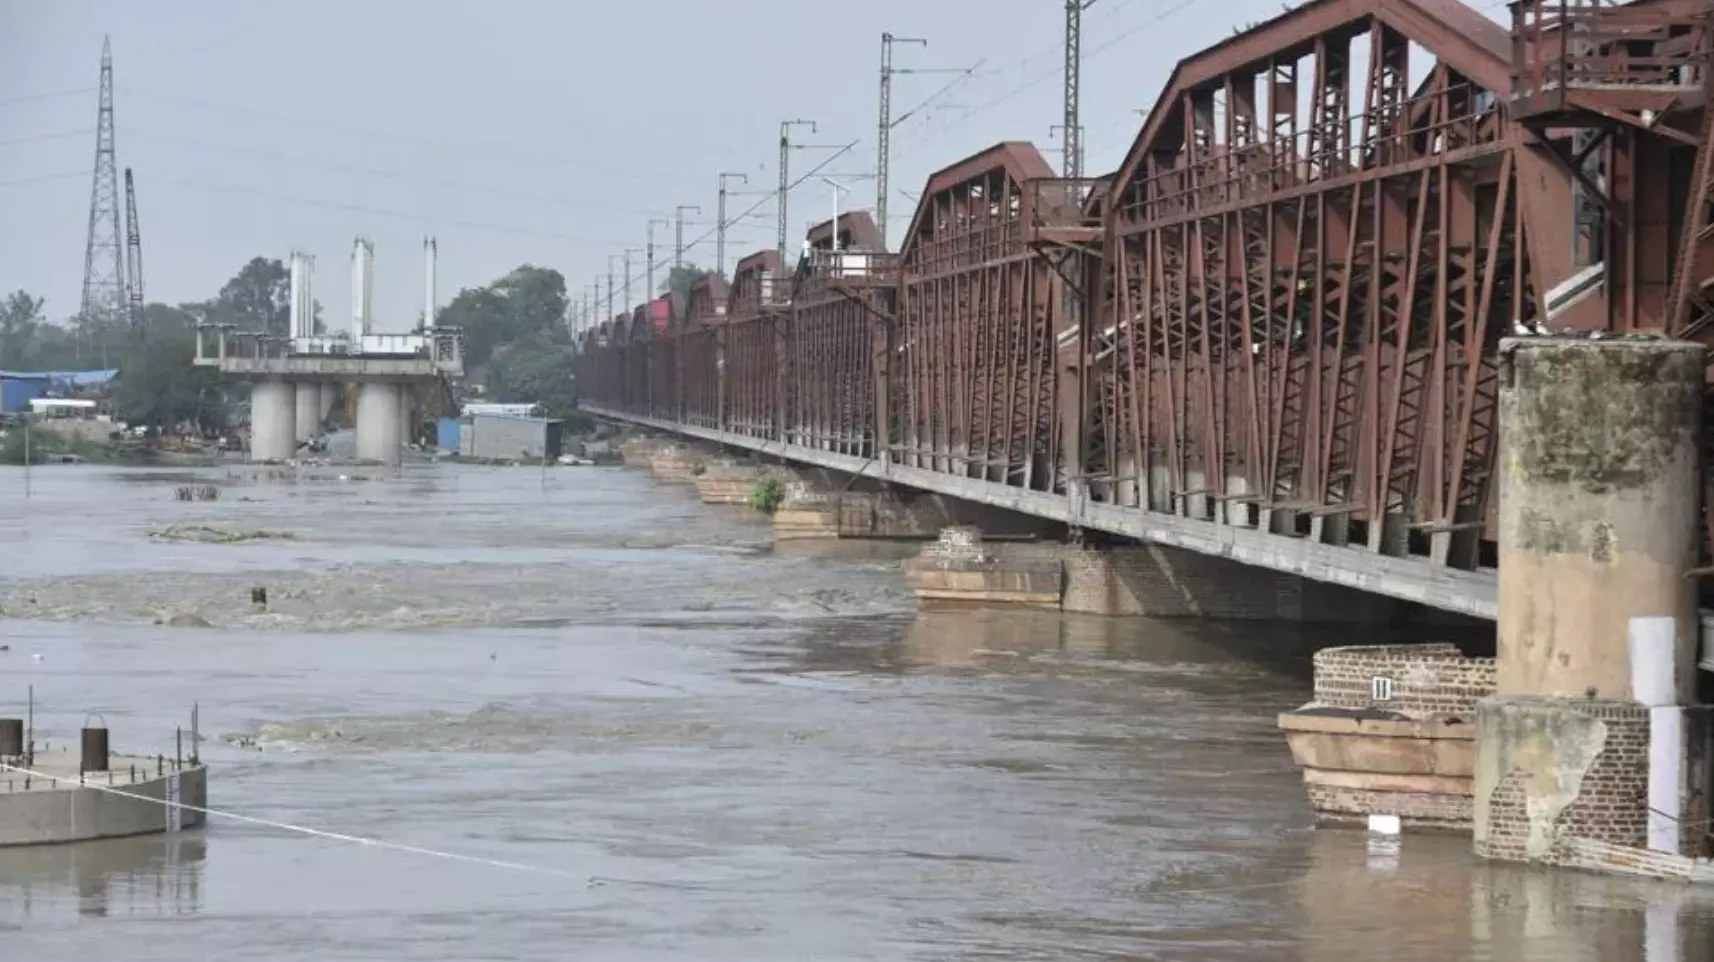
(362, 285)
(429, 252)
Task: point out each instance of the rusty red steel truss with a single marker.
(1281, 312)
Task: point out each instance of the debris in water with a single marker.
(184, 619)
(203, 534)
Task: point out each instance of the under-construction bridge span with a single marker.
(1272, 334)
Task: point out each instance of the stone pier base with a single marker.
(727, 482)
(1555, 769)
(676, 464)
(638, 451)
(807, 513)
(1148, 580)
(960, 567)
(1391, 731)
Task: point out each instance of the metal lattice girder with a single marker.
(1283, 310)
(979, 309)
(1313, 298)
(842, 302)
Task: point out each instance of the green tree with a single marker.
(533, 371)
(257, 298)
(681, 279)
(31, 342)
(528, 304)
(21, 320)
(159, 385)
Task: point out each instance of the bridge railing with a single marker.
(847, 267)
(1060, 202)
(1223, 174)
(1566, 45)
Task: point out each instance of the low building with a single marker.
(17, 390)
(509, 437)
(447, 434)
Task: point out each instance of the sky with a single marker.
(548, 132)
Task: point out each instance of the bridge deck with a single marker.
(1467, 592)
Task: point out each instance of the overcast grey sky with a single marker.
(514, 130)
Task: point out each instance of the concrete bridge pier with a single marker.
(1592, 752)
(729, 481)
(1128, 579)
(820, 503)
(273, 420)
(638, 451)
(678, 463)
(379, 421)
(308, 395)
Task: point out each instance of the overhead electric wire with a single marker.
(44, 95)
(44, 177)
(605, 304)
(1027, 85)
(57, 135)
(252, 111)
(375, 211)
(390, 174)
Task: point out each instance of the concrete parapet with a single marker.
(40, 811)
(1391, 731)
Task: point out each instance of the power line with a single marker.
(1027, 85)
(378, 211)
(45, 95)
(377, 172)
(45, 177)
(253, 112)
(58, 135)
(840, 152)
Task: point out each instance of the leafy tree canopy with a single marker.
(159, 385)
(681, 279)
(528, 304)
(257, 298)
(533, 371)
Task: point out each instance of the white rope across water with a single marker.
(589, 881)
(306, 830)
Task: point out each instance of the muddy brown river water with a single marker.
(688, 746)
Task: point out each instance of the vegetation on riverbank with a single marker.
(768, 494)
(48, 446)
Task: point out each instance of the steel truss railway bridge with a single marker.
(1270, 335)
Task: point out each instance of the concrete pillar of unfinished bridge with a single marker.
(1592, 751)
(308, 406)
(273, 420)
(379, 421)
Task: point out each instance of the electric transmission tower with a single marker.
(1073, 85)
(104, 298)
(133, 255)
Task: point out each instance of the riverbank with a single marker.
(37, 446)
